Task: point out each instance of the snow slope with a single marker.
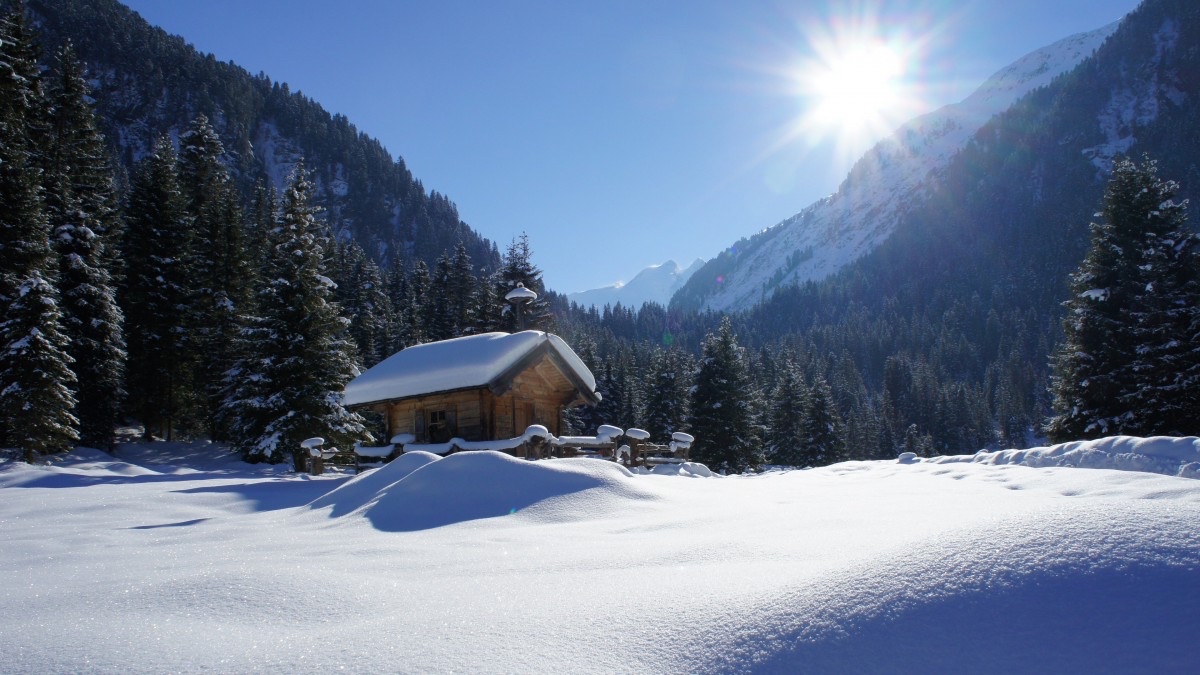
(881, 188)
(180, 559)
(656, 283)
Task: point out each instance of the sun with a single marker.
(854, 90)
(854, 85)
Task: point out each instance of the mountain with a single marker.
(881, 188)
(147, 83)
(656, 283)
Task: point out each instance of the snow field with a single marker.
(171, 559)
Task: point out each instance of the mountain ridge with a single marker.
(879, 189)
(146, 83)
(656, 283)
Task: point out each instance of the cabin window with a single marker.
(440, 426)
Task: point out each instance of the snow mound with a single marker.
(685, 469)
(1085, 589)
(1167, 455)
(428, 491)
(68, 469)
(356, 492)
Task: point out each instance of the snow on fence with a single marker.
(536, 443)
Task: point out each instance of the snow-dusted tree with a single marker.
(489, 306)
(666, 397)
(518, 268)
(723, 403)
(823, 441)
(400, 329)
(23, 229)
(155, 297)
(786, 422)
(296, 356)
(1129, 322)
(437, 315)
(1165, 370)
(36, 381)
(79, 206)
(222, 274)
(460, 292)
(419, 288)
(363, 299)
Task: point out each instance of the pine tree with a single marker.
(1125, 314)
(723, 405)
(419, 289)
(363, 299)
(460, 293)
(666, 400)
(222, 275)
(785, 440)
(36, 381)
(438, 317)
(489, 305)
(156, 297)
(1166, 363)
(400, 330)
(79, 198)
(822, 440)
(518, 268)
(297, 357)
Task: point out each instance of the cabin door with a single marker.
(523, 416)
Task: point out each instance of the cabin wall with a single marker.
(535, 395)
(463, 413)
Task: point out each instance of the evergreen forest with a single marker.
(180, 286)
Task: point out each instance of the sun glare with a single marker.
(855, 84)
(856, 89)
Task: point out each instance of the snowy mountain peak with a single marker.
(881, 187)
(656, 283)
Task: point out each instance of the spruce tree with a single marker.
(156, 298)
(822, 440)
(1115, 370)
(400, 330)
(419, 288)
(724, 404)
(489, 305)
(36, 380)
(297, 357)
(518, 268)
(785, 440)
(1166, 309)
(222, 274)
(79, 199)
(438, 317)
(666, 398)
(460, 293)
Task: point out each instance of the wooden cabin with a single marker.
(477, 388)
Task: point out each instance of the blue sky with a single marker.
(617, 134)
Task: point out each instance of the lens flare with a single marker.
(856, 84)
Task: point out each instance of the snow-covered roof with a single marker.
(459, 363)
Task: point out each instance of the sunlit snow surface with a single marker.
(176, 558)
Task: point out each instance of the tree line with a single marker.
(181, 304)
(203, 312)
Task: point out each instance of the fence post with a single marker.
(316, 463)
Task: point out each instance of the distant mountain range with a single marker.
(656, 283)
(880, 190)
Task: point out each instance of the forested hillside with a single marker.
(159, 288)
(940, 340)
(146, 83)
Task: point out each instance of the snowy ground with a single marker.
(170, 558)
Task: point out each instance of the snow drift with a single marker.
(421, 490)
(195, 563)
(1168, 455)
